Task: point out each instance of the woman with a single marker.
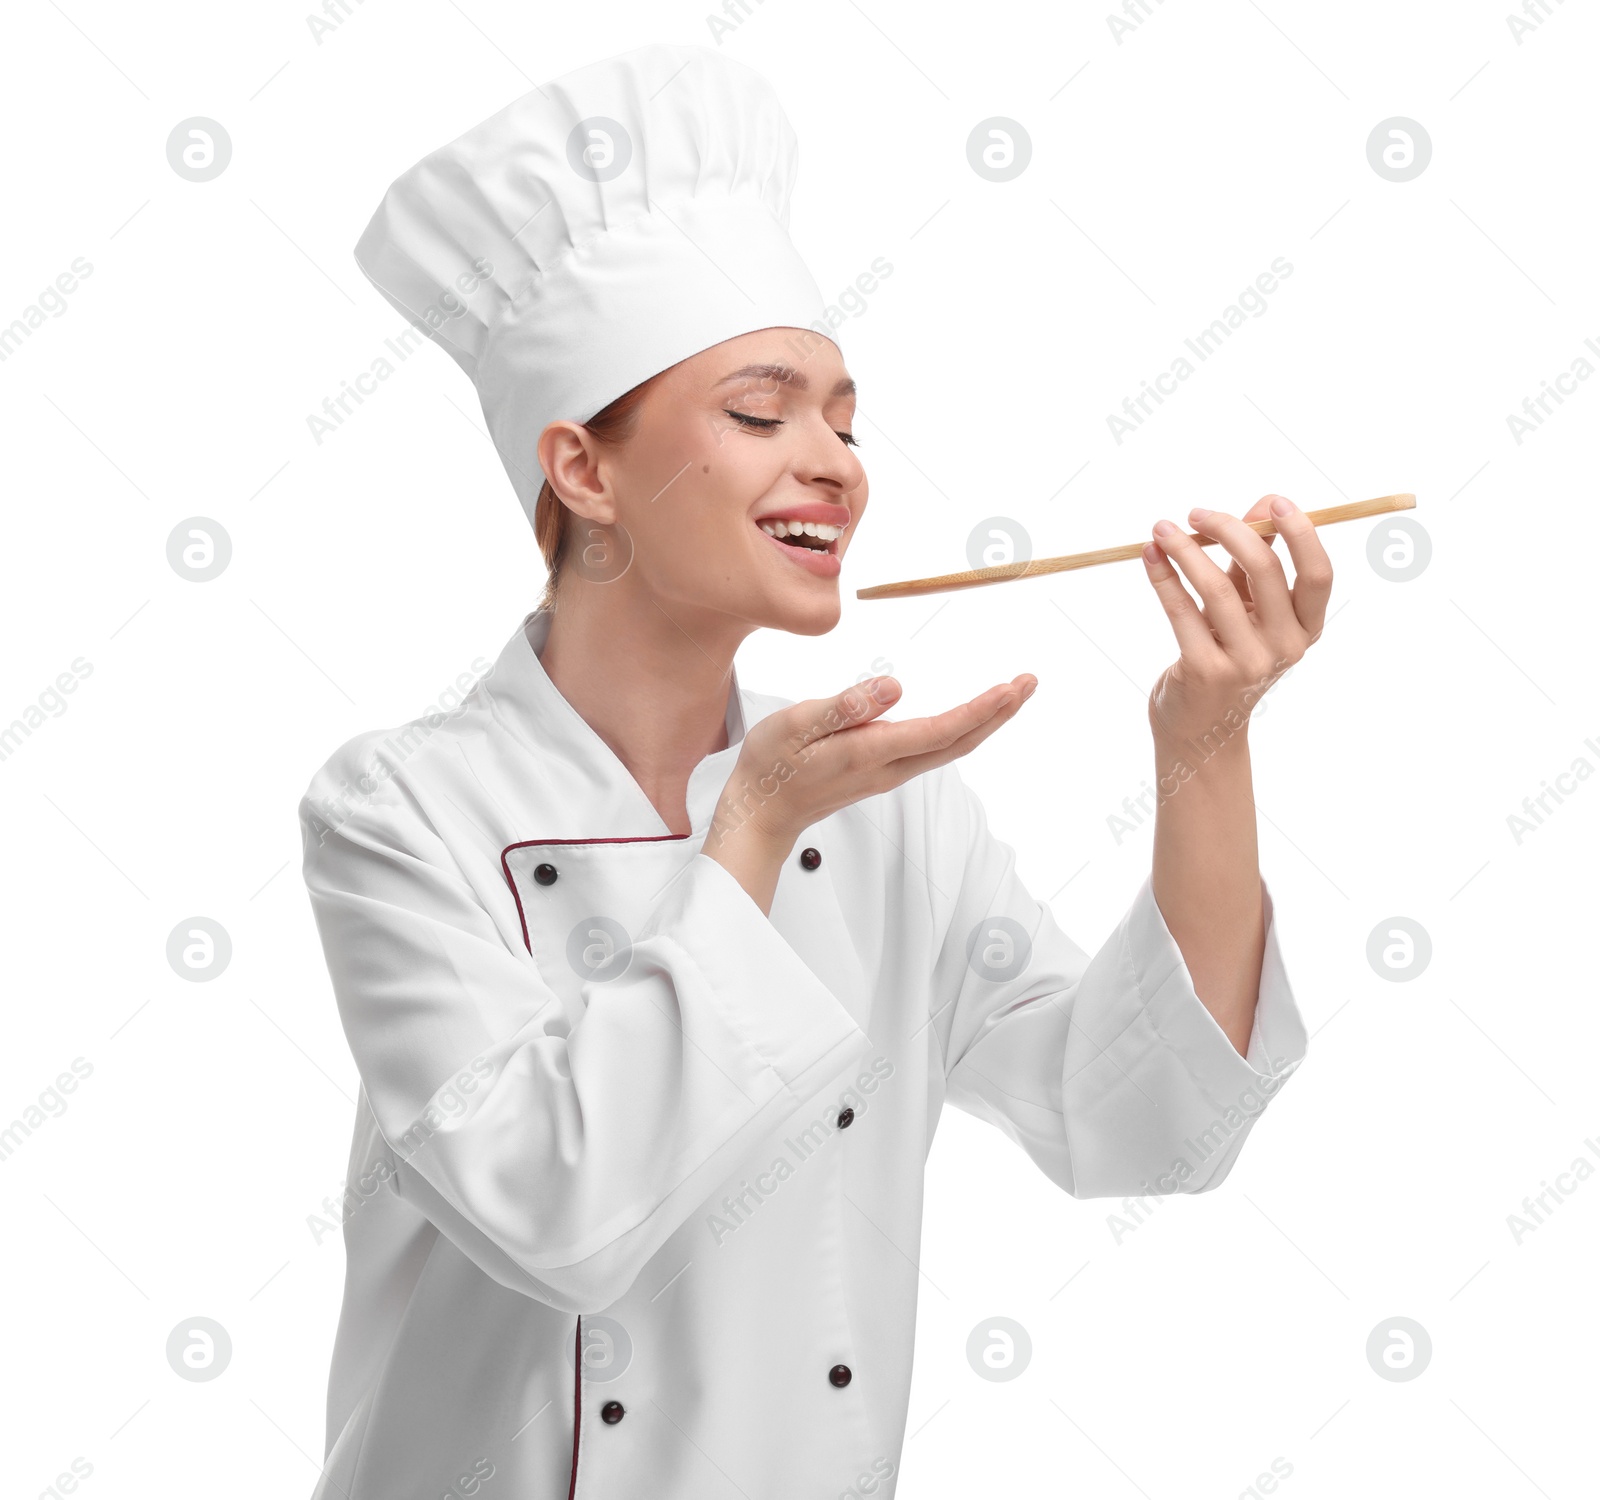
(657, 985)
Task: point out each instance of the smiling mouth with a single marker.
(809, 535)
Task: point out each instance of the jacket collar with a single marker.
(551, 727)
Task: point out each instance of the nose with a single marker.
(830, 460)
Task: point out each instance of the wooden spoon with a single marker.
(1005, 572)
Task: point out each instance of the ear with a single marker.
(569, 457)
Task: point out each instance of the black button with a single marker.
(846, 1115)
(840, 1374)
(611, 1411)
(545, 874)
(810, 858)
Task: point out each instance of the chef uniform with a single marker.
(636, 1181)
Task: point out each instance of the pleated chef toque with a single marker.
(595, 232)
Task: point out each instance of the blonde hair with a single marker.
(612, 425)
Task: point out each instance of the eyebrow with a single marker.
(786, 375)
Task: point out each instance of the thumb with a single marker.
(817, 718)
(866, 700)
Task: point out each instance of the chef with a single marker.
(640, 1141)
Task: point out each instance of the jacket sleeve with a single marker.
(1107, 1069)
(560, 1156)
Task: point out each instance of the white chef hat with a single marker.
(595, 232)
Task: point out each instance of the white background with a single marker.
(1168, 171)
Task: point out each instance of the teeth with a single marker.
(781, 529)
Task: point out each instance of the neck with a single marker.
(651, 679)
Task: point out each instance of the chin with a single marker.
(804, 617)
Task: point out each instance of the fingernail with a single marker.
(881, 689)
(1282, 507)
(1198, 515)
(1027, 692)
(1165, 528)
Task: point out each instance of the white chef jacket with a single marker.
(609, 1106)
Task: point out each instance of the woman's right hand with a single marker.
(803, 762)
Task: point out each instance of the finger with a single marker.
(1269, 588)
(1260, 511)
(1313, 569)
(909, 766)
(911, 737)
(1221, 605)
(1194, 636)
(816, 718)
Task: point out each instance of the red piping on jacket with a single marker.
(577, 1405)
(522, 917)
(505, 865)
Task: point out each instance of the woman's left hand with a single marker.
(1252, 627)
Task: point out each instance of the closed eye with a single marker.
(766, 424)
(769, 424)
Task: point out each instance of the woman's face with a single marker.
(750, 436)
